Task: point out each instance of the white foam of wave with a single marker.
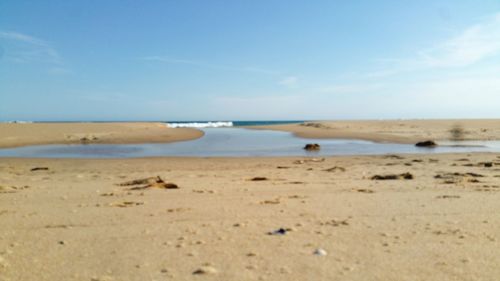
(201, 124)
(19, 122)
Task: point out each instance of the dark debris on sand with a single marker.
(152, 182)
(403, 176)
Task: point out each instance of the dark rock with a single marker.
(428, 143)
(312, 146)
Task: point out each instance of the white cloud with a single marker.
(472, 45)
(22, 48)
(290, 81)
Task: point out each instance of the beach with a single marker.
(15, 135)
(386, 217)
(397, 131)
(251, 218)
(394, 131)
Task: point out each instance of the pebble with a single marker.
(280, 231)
(320, 252)
(205, 270)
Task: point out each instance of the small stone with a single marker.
(62, 242)
(320, 252)
(280, 231)
(205, 270)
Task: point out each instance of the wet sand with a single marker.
(396, 131)
(252, 218)
(13, 135)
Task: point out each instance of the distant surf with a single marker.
(219, 124)
(216, 124)
(18, 122)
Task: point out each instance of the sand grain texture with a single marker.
(72, 221)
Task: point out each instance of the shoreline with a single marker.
(26, 134)
(393, 131)
(382, 131)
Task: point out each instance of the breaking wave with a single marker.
(18, 122)
(215, 124)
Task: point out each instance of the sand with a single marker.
(287, 218)
(73, 221)
(398, 131)
(12, 135)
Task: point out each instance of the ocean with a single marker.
(192, 124)
(218, 124)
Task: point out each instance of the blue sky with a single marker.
(248, 60)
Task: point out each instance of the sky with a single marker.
(248, 60)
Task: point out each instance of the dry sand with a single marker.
(400, 131)
(12, 135)
(73, 222)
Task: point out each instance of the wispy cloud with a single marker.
(290, 81)
(169, 60)
(22, 48)
(472, 45)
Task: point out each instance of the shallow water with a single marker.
(237, 142)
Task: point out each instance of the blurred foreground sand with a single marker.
(72, 221)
